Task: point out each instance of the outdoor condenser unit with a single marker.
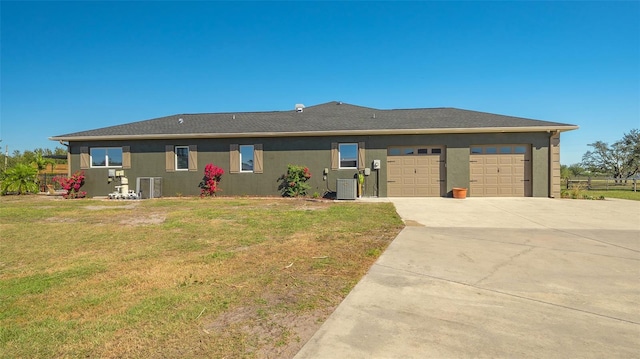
(149, 187)
(346, 188)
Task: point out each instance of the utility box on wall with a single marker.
(346, 188)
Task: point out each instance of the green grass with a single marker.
(580, 192)
(186, 277)
(621, 194)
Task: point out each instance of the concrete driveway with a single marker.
(497, 278)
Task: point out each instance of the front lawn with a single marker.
(186, 277)
(622, 194)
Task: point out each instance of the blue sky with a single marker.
(73, 66)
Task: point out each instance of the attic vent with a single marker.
(299, 107)
(180, 120)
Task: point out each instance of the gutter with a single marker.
(319, 133)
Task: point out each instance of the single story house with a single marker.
(402, 152)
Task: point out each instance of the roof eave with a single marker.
(548, 129)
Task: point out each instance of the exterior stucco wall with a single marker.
(148, 160)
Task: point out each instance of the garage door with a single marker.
(415, 171)
(500, 171)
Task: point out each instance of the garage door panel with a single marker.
(394, 172)
(408, 181)
(423, 161)
(499, 174)
(416, 173)
(407, 161)
(423, 192)
(408, 171)
(506, 170)
(490, 191)
(490, 181)
(506, 181)
(490, 160)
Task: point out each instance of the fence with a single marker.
(46, 179)
(602, 183)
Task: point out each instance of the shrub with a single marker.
(209, 184)
(21, 179)
(294, 182)
(576, 191)
(72, 185)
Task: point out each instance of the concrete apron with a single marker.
(498, 278)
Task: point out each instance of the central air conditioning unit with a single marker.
(149, 187)
(346, 188)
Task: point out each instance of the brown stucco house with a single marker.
(402, 152)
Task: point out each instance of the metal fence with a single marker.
(46, 179)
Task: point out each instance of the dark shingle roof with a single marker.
(323, 119)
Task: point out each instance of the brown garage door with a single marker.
(500, 171)
(416, 171)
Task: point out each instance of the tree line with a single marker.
(19, 172)
(620, 160)
(40, 157)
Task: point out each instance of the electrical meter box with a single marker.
(376, 164)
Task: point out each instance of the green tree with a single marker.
(564, 172)
(39, 160)
(631, 144)
(620, 160)
(31, 157)
(21, 178)
(576, 170)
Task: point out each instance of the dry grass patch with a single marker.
(222, 277)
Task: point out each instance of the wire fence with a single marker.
(46, 181)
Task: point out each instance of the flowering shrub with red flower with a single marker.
(209, 184)
(72, 185)
(294, 181)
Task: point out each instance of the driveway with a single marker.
(496, 278)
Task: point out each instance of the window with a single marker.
(106, 157)
(505, 149)
(423, 151)
(182, 158)
(476, 150)
(520, 149)
(394, 152)
(246, 158)
(490, 150)
(436, 151)
(348, 153)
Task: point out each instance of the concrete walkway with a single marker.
(497, 278)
